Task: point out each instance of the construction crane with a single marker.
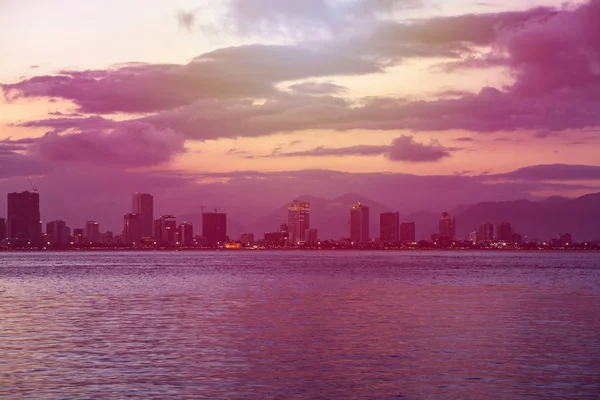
(33, 187)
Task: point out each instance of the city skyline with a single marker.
(251, 103)
(23, 227)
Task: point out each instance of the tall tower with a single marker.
(92, 232)
(131, 229)
(214, 228)
(298, 220)
(23, 217)
(359, 223)
(389, 227)
(447, 228)
(143, 205)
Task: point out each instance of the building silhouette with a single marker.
(186, 233)
(312, 237)
(92, 232)
(485, 233)
(143, 205)
(214, 228)
(23, 217)
(2, 228)
(57, 233)
(165, 230)
(389, 227)
(504, 232)
(447, 231)
(78, 235)
(132, 231)
(359, 224)
(298, 220)
(408, 232)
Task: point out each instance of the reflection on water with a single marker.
(293, 325)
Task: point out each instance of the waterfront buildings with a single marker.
(186, 233)
(23, 219)
(165, 230)
(504, 232)
(132, 233)
(485, 233)
(389, 227)
(214, 228)
(312, 237)
(57, 233)
(143, 205)
(408, 232)
(247, 239)
(298, 220)
(359, 223)
(447, 228)
(92, 232)
(2, 228)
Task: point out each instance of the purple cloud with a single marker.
(404, 148)
(186, 20)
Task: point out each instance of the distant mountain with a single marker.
(541, 220)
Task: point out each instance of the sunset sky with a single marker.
(247, 104)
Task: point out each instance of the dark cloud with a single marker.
(186, 20)
(133, 144)
(235, 72)
(404, 148)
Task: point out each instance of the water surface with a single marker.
(299, 324)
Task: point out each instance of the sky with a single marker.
(244, 105)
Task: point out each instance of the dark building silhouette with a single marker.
(23, 217)
(447, 231)
(186, 234)
(408, 232)
(57, 233)
(312, 237)
(564, 239)
(298, 220)
(92, 232)
(359, 223)
(165, 230)
(132, 231)
(214, 228)
(2, 228)
(504, 232)
(143, 205)
(78, 236)
(389, 227)
(485, 233)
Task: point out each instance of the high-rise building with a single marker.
(78, 235)
(504, 232)
(312, 237)
(23, 222)
(389, 227)
(214, 228)
(2, 228)
(447, 230)
(186, 233)
(408, 232)
(298, 220)
(132, 232)
(165, 230)
(486, 233)
(92, 232)
(143, 205)
(359, 224)
(57, 233)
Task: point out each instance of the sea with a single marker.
(300, 325)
